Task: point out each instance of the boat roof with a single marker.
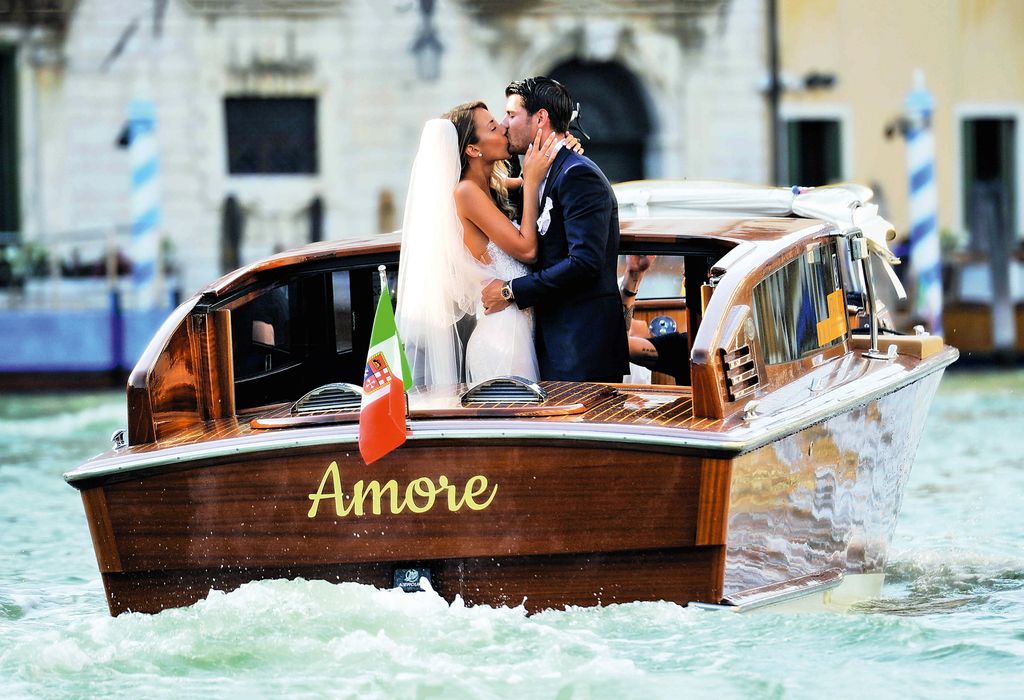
(310, 253)
(730, 229)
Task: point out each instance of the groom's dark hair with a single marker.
(544, 93)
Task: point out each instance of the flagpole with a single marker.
(383, 272)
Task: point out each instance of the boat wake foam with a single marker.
(945, 581)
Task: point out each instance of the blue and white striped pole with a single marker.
(925, 259)
(145, 199)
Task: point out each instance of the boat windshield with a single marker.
(801, 308)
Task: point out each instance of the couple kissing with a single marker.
(481, 295)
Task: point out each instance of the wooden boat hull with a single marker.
(512, 521)
(511, 525)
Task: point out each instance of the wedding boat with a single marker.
(774, 473)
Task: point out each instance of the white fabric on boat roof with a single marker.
(845, 205)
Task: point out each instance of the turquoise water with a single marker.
(950, 624)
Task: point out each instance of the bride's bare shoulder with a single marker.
(466, 189)
(469, 196)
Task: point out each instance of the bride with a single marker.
(457, 235)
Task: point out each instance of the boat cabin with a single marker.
(760, 301)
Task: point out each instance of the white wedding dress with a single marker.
(440, 282)
(502, 342)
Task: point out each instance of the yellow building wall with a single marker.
(972, 55)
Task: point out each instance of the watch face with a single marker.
(506, 292)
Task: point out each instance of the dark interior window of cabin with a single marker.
(312, 331)
(284, 342)
(355, 295)
(341, 284)
(261, 334)
(800, 308)
(271, 135)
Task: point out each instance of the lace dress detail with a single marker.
(505, 266)
(502, 343)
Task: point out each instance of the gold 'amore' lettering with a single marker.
(419, 496)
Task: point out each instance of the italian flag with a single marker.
(382, 412)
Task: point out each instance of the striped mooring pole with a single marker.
(925, 258)
(145, 198)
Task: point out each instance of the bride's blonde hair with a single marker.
(462, 117)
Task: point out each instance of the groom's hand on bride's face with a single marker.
(492, 299)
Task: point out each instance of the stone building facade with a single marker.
(674, 88)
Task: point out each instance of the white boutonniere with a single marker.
(544, 220)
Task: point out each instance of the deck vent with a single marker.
(329, 398)
(504, 390)
(740, 372)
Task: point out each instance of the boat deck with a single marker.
(567, 403)
(651, 416)
(647, 405)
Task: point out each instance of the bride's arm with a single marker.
(571, 142)
(474, 204)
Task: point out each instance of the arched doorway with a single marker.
(614, 114)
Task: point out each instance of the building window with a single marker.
(814, 152)
(271, 136)
(800, 308)
(989, 181)
(10, 217)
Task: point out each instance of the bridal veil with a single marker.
(439, 281)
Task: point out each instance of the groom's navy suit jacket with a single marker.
(580, 333)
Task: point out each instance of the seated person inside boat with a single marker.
(656, 318)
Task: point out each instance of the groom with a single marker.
(573, 290)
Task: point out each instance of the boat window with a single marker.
(658, 332)
(800, 308)
(313, 330)
(664, 278)
(341, 283)
(345, 314)
(261, 333)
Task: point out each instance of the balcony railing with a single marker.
(75, 269)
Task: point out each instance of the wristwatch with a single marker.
(506, 292)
